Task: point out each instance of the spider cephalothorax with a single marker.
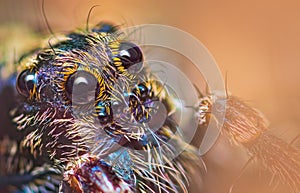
(88, 104)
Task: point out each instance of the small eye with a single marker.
(142, 92)
(131, 57)
(26, 82)
(105, 27)
(81, 87)
(104, 112)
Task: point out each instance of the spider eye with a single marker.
(81, 87)
(104, 112)
(142, 92)
(131, 57)
(26, 82)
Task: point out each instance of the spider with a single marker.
(85, 114)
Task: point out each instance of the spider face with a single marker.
(88, 105)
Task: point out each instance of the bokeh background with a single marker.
(256, 42)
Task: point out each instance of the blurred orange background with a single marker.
(255, 42)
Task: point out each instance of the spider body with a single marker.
(86, 107)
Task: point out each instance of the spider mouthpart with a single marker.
(89, 174)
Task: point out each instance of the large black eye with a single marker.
(81, 87)
(131, 57)
(26, 81)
